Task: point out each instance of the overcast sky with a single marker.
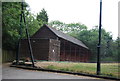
(83, 11)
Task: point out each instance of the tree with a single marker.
(42, 17)
(32, 23)
(108, 46)
(11, 24)
(59, 26)
(68, 28)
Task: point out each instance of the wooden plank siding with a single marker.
(42, 49)
(8, 55)
(44, 33)
(72, 52)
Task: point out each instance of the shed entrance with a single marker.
(54, 50)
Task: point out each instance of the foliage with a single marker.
(32, 23)
(68, 28)
(42, 17)
(11, 23)
(90, 38)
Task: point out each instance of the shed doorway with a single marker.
(54, 50)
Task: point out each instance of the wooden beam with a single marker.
(79, 54)
(64, 58)
(70, 53)
(75, 54)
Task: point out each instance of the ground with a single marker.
(107, 69)
(17, 73)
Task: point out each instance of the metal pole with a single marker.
(99, 44)
(29, 43)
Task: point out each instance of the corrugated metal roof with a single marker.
(67, 37)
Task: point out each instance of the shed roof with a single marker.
(66, 37)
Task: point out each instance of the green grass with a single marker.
(107, 69)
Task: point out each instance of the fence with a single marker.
(8, 56)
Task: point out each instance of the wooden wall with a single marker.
(44, 32)
(40, 49)
(55, 50)
(73, 52)
(8, 56)
(43, 49)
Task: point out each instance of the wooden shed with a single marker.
(53, 45)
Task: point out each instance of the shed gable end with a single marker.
(44, 32)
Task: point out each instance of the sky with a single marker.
(83, 11)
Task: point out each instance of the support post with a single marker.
(27, 34)
(99, 43)
(75, 54)
(19, 40)
(70, 53)
(64, 52)
(79, 55)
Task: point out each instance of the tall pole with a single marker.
(99, 43)
(29, 43)
(19, 41)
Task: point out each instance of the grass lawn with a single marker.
(107, 69)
